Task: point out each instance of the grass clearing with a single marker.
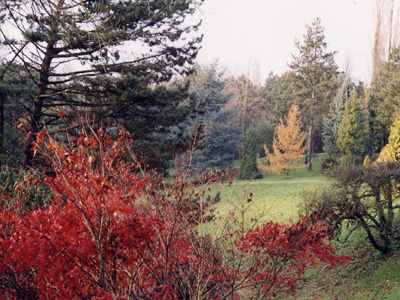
(274, 197)
(368, 276)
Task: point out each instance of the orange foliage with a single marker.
(288, 144)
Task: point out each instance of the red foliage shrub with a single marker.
(281, 253)
(112, 232)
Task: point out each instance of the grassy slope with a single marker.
(368, 276)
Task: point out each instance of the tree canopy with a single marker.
(332, 122)
(352, 134)
(217, 144)
(385, 98)
(315, 70)
(100, 55)
(391, 151)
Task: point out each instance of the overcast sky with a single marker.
(261, 33)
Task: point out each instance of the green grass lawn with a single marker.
(275, 197)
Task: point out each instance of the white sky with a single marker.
(261, 33)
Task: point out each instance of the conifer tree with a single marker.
(288, 144)
(384, 98)
(248, 166)
(15, 87)
(391, 152)
(106, 56)
(316, 73)
(331, 124)
(352, 135)
(280, 93)
(217, 145)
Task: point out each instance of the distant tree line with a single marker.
(64, 64)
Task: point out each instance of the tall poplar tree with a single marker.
(316, 73)
(101, 55)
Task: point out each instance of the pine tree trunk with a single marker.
(309, 142)
(28, 153)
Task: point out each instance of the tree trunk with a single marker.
(309, 141)
(374, 242)
(33, 129)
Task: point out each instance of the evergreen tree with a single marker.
(352, 134)
(331, 124)
(248, 165)
(288, 144)
(280, 92)
(73, 49)
(159, 123)
(16, 86)
(217, 148)
(316, 74)
(384, 98)
(391, 152)
(264, 135)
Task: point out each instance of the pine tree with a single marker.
(316, 73)
(73, 51)
(352, 134)
(248, 166)
(288, 144)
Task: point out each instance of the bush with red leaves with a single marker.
(113, 231)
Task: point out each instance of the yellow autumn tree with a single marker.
(391, 152)
(288, 144)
